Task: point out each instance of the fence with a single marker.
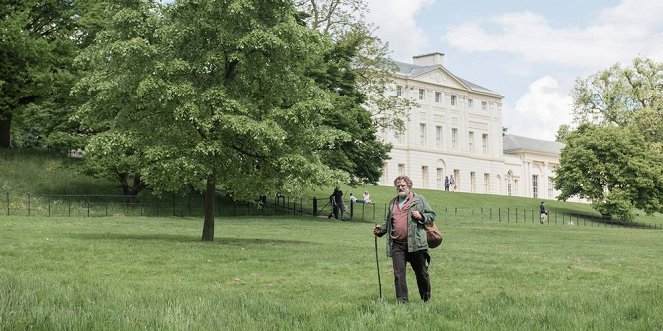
(192, 205)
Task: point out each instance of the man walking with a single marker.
(406, 215)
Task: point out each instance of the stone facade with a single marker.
(456, 129)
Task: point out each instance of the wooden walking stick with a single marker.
(377, 263)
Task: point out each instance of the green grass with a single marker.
(128, 273)
(40, 172)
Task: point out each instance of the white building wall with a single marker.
(501, 169)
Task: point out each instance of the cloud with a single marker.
(540, 112)
(397, 25)
(619, 34)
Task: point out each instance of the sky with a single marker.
(529, 51)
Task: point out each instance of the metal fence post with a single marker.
(49, 205)
(29, 204)
(7, 203)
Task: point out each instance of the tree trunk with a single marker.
(131, 192)
(5, 132)
(208, 226)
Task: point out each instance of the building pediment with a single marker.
(440, 77)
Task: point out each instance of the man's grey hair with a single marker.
(407, 180)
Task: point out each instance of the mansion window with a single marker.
(401, 169)
(422, 134)
(399, 90)
(424, 176)
(486, 183)
(484, 105)
(453, 100)
(422, 94)
(535, 186)
(471, 138)
(454, 139)
(469, 103)
(438, 96)
(473, 182)
(385, 174)
(550, 188)
(484, 143)
(438, 137)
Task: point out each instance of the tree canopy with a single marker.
(225, 94)
(615, 157)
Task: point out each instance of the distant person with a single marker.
(543, 212)
(452, 183)
(366, 197)
(332, 204)
(339, 207)
(446, 183)
(407, 241)
(353, 199)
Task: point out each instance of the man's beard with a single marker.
(402, 194)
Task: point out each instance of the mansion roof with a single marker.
(410, 70)
(517, 144)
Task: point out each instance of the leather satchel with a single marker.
(433, 234)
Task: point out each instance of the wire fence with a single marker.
(192, 206)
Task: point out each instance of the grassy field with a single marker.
(129, 273)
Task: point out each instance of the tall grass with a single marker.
(303, 274)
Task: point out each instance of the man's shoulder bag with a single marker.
(434, 235)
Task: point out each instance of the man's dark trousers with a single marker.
(419, 263)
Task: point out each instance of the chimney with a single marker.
(429, 59)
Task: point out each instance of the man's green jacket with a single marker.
(416, 234)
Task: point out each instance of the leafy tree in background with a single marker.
(346, 20)
(219, 94)
(624, 97)
(614, 168)
(562, 131)
(36, 52)
(615, 157)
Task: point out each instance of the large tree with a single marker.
(614, 168)
(615, 156)
(220, 94)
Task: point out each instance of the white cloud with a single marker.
(634, 12)
(397, 25)
(618, 35)
(540, 112)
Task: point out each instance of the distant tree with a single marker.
(564, 129)
(615, 157)
(219, 94)
(612, 167)
(622, 96)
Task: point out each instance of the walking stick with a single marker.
(377, 263)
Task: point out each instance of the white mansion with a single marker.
(457, 130)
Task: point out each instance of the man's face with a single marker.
(402, 188)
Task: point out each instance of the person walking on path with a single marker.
(406, 242)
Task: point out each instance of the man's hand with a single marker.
(417, 215)
(377, 229)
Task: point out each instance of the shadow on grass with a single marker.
(185, 239)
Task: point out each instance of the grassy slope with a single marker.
(311, 274)
(38, 172)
